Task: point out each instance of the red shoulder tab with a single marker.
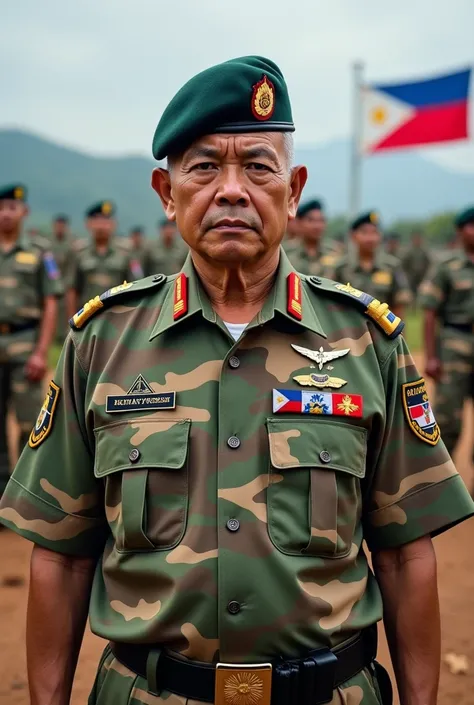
(180, 307)
(294, 304)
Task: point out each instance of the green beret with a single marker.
(465, 217)
(247, 94)
(104, 208)
(137, 229)
(61, 218)
(13, 192)
(370, 217)
(312, 205)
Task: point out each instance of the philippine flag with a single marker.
(412, 114)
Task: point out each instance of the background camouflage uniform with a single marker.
(449, 291)
(24, 282)
(225, 500)
(416, 262)
(302, 262)
(386, 280)
(159, 259)
(63, 250)
(91, 273)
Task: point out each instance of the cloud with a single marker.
(97, 75)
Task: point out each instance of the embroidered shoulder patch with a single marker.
(419, 413)
(44, 422)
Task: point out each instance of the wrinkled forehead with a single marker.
(263, 144)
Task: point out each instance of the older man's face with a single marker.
(231, 195)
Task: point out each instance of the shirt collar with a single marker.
(276, 302)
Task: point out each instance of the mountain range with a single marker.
(60, 179)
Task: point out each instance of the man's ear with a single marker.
(299, 176)
(161, 183)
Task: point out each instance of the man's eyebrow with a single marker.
(196, 152)
(256, 152)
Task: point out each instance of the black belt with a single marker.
(462, 327)
(306, 681)
(7, 328)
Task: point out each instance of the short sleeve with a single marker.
(415, 489)
(53, 498)
(51, 281)
(433, 289)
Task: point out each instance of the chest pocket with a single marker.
(314, 496)
(146, 485)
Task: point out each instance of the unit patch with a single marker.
(44, 422)
(295, 401)
(140, 397)
(419, 413)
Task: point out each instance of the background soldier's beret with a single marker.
(247, 94)
(313, 205)
(465, 217)
(104, 208)
(61, 218)
(137, 229)
(13, 192)
(364, 219)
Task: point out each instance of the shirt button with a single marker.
(233, 524)
(324, 456)
(234, 362)
(134, 455)
(233, 442)
(233, 607)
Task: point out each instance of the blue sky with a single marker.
(96, 74)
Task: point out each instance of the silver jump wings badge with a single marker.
(320, 357)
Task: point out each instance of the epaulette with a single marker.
(379, 312)
(112, 297)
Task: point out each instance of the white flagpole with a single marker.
(356, 156)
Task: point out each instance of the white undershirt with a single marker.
(235, 329)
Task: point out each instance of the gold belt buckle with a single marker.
(4, 328)
(243, 684)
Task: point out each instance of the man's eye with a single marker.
(204, 166)
(257, 166)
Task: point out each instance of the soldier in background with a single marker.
(416, 261)
(447, 296)
(392, 244)
(167, 254)
(62, 248)
(101, 264)
(30, 281)
(292, 239)
(137, 241)
(310, 256)
(369, 268)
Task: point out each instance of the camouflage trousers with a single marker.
(117, 685)
(456, 385)
(18, 394)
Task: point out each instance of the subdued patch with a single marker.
(143, 610)
(199, 647)
(340, 596)
(185, 554)
(244, 495)
(65, 501)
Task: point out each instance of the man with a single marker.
(100, 264)
(369, 268)
(309, 256)
(197, 450)
(167, 254)
(392, 244)
(447, 296)
(137, 242)
(416, 262)
(62, 248)
(29, 284)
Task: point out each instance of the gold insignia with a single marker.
(382, 278)
(26, 258)
(263, 99)
(18, 193)
(243, 689)
(120, 287)
(349, 290)
(106, 208)
(347, 406)
(86, 312)
(381, 313)
(44, 422)
(320, 381)
(374, 218)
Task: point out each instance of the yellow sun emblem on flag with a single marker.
(379, 115)
(243, 689)
(347, 406)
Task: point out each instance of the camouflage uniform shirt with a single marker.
(305, 264)
(385, 280)
(91, 273)
(159, 259)
(224, 527)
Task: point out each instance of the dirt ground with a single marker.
(456, 587)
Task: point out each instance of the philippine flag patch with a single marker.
(295, 401)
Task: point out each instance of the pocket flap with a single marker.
(142, 443)
(306, 443)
